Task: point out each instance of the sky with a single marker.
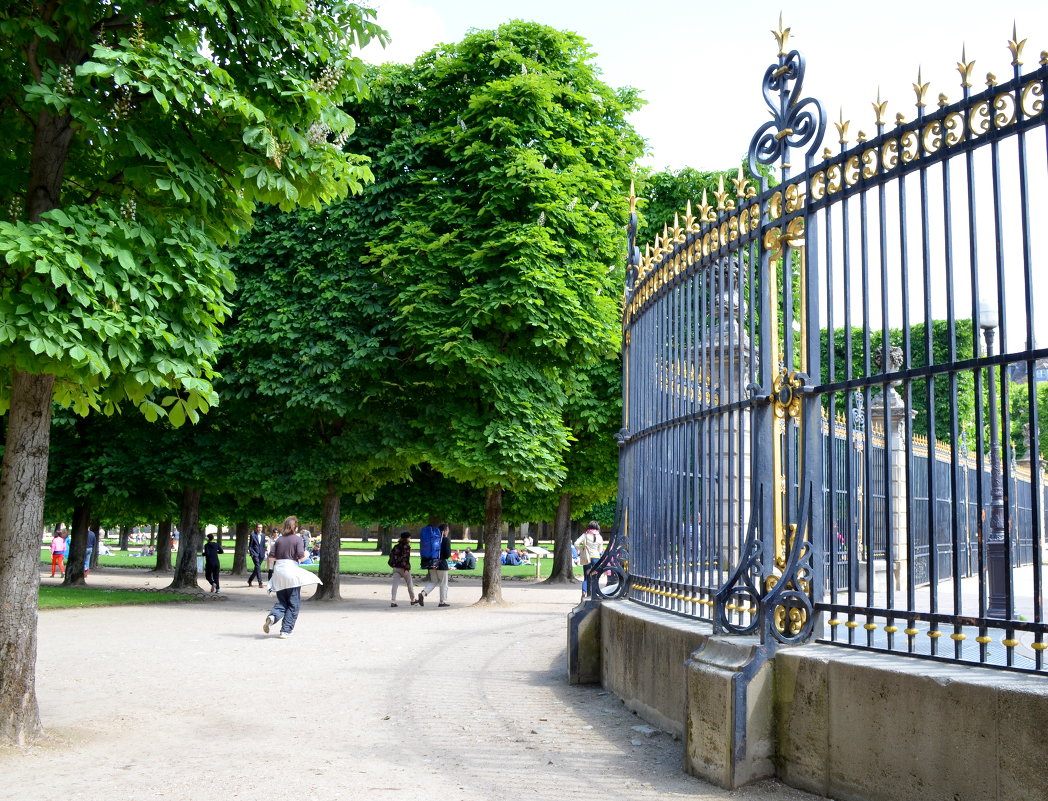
(699, 64)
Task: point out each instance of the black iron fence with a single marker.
(889, 286)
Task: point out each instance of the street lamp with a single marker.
(997, 563)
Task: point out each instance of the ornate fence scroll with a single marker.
(832, 401)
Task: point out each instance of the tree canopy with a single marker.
(139, 138)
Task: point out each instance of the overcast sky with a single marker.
(700, 64)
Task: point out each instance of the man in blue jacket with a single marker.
(256, 548)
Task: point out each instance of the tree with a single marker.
(308, 353)
(139, 138)
(508, 169)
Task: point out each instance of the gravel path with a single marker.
(364, 702)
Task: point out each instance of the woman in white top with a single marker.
(590, 546)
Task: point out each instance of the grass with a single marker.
(73, 598)
(364, 562)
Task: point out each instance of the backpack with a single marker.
(429, 543)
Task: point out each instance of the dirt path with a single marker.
(364, 702)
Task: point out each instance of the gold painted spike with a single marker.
(921, 88)
(721, 194)
(705, 210)
(842, 128)
(879, 107)
(633, 197)
(678, 232)
(740, 182)
(781, 36)
(1016, 47)
(965, 67)
(689, 218)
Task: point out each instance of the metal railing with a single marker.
(890, 287)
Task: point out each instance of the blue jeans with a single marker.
(87, 559)
(586, 574)
(286, 608)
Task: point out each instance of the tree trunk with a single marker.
(125, 537)
(511, 542)
(330, 540)
(76, 549)
(185, 577)
(385, 541)
(492, 584)
(563, 571)
(240, 548)
(23, 481)
(163, 547)
(152, 535)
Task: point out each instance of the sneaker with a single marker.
(393, 604)
(442, 604)
(422, 599)
(285, 634)
(270, 620)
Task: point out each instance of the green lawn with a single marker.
(364, 562)
(70, 597)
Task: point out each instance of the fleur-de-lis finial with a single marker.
(781, 36)
(921, 88)
(722, 195)
(633, 197)
(964, 66)
(689, 218)
(879, 107)
(1016, 47)
(740, 182)
(705, 210)
(842, 128)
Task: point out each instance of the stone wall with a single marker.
(844, 723)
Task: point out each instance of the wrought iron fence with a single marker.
(889, 287)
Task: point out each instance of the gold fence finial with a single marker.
(705, 211)
(689, 218)
(722, 195)
(991, 79)
(1016, 47)
(964, 66)
(842, 128)
(740, 182)
(781, 36)
(633, 197)
(879, 107)
(921, 88)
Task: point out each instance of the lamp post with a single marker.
(996, 561)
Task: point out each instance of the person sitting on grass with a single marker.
(513, 559)
(467, 562)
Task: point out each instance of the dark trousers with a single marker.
(256, 573)
(286, 607)
(211, 573)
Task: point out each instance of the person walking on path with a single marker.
(58, 549)
(256, 549)
(437, 565)
(92, 538)
(211, 565)
(400, 561)
(590, 546)
(288, 578)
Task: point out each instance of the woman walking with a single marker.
(58, 549)
(400, 561)
(211, 565)
(288, 578)
(590, 546)
(438, 569)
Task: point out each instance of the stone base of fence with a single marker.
(848, 724)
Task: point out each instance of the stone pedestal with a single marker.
(895, 441)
